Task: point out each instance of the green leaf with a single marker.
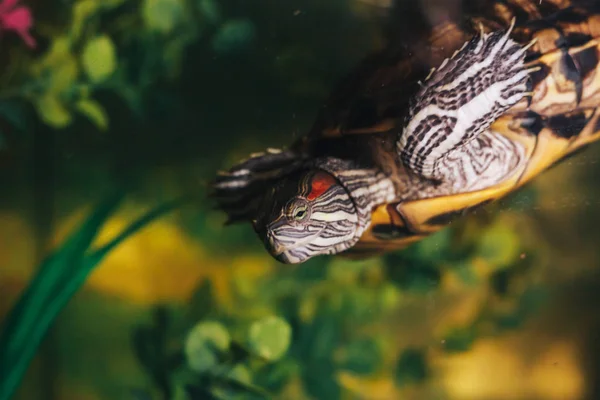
(275, 376)
(162, 15)
(270, 337)
(99, 58)
(240, 373)
(411, 367)
(58, 279)
(59, 51)
(227, 388)
(236, 383)
(94, 112)
(82, 10)
(52, 111)
(57, 70)
(204, 343)
(63, 76)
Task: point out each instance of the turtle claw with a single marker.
(530, 44)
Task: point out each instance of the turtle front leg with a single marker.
(458, 102)
(239, 191)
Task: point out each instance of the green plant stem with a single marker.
(59, 278)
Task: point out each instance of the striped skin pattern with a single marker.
(316, 212)
(368, 187)
(457, 103)
(298, 221)
(486, 160)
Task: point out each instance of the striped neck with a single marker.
(367, 187)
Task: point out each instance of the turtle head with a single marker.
(306, 214)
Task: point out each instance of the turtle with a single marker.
(418, 136)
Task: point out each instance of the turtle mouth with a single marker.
(285, 254)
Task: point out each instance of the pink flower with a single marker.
(17, 19)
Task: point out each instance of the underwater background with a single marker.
(110, 109)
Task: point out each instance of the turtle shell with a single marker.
(560, 117)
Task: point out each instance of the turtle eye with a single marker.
(300, 212)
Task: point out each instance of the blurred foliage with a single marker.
(316, 331)
(58, 279)
(123, 47)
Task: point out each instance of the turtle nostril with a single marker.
(272, 243)
(271, 238)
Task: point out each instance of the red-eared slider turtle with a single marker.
(413, 139)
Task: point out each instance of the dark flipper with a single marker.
(239, 191)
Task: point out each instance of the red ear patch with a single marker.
(319, 184)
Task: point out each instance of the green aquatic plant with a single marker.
(58, 278)
(311, 332)
(122, 47)
(210, 360)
